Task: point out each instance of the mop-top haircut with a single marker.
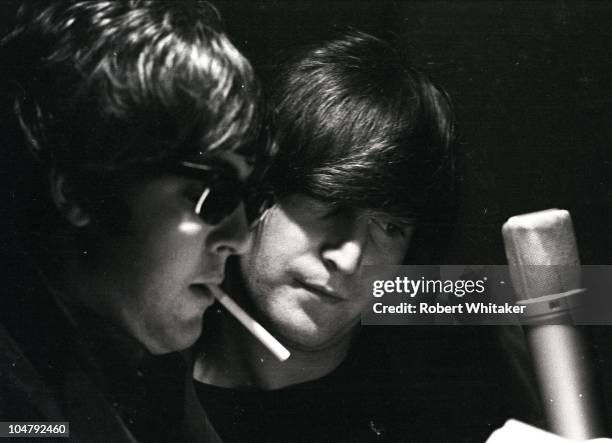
(358, 127)
(100, 89)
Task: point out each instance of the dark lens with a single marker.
(225, 196)
(226, 189)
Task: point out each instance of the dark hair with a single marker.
(357, 126)
(101, 89)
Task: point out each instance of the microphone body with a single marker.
(545, 272)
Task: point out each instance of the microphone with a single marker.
(545, 272)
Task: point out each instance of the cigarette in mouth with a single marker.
(251, 324)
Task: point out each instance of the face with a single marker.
(303, 270)
(152, 279)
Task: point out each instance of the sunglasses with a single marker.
(223, 193)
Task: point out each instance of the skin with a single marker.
(303, 270)
(151, 279)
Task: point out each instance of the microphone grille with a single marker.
(542, 253)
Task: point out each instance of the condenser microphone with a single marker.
(545, 272)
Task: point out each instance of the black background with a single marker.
(531, 84)
(532, 90)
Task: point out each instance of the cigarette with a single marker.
(252, 325)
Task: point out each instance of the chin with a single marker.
(310, 337)
(305, 330)
(176, 341)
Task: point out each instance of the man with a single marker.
(364, 175)
(128, 131)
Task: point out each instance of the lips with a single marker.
(210, 279)
(323, 291)
(203, 291)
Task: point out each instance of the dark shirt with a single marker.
(425, 384)
(73, 366)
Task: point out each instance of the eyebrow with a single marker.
(397, 219)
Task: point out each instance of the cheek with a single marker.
(167, 247)
(278, 243)
(392, 253)
(389, 256)
(264, 264)
(396, 256)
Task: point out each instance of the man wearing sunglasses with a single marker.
(128, 132)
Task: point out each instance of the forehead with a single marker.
(313, 206)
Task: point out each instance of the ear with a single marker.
(65, 202)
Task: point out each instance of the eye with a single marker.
(388, 228)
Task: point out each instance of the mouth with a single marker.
(203, 292)
(325, 293)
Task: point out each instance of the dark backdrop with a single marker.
(531, 85)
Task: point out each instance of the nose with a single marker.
(232, 235)
(344, 253)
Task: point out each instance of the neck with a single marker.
(229, 356)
